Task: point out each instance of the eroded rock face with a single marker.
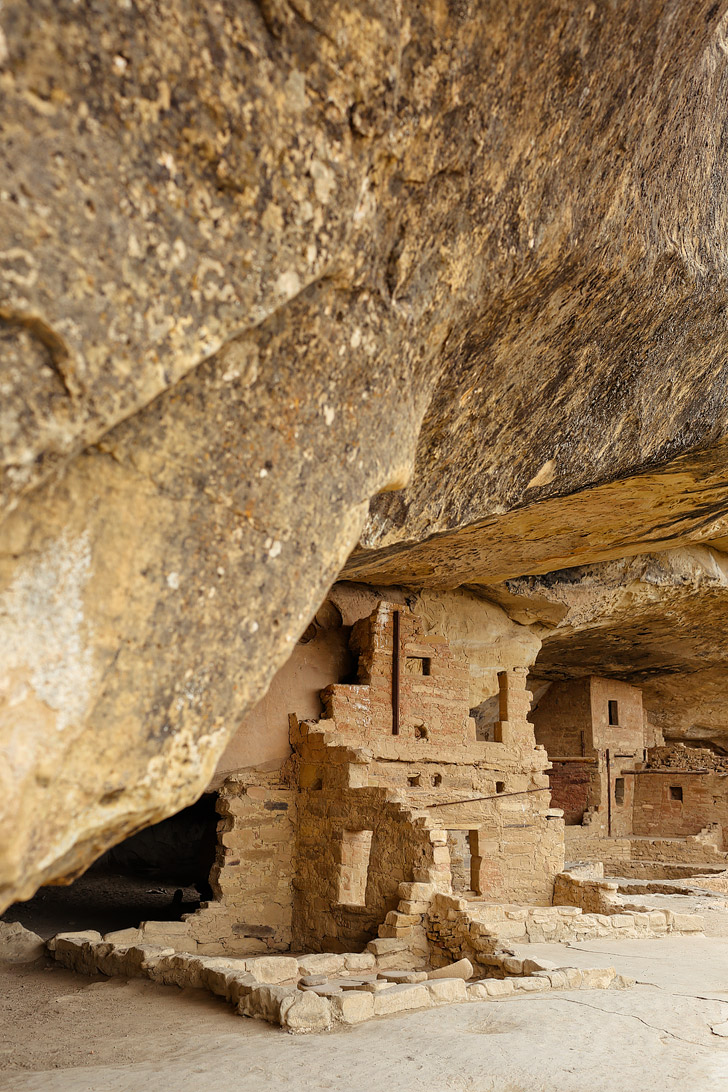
(690, 706)
(260, 263)
(633, 619)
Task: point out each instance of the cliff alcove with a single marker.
(363, 421)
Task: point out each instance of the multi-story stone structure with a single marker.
(389, 786)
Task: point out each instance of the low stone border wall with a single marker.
(483, 932)
(601, 897)
(312, 993)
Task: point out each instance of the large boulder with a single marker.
(279, 277)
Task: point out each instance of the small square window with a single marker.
(613, 712)
(500, 786)
(414, 781)
(676, 792)
(417, 665)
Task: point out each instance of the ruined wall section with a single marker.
(680, 803)
(594, 732)
(332, 869)
(409, 769)
(572, 789)
(253, 872)
(562, 719)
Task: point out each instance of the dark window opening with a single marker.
(437, 779)
(417, 665)
(676, 792)
(414, 781)
(613, 712)
(500, 786)
(619, 790)
(458, 842)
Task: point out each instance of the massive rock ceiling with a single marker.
(444, 279)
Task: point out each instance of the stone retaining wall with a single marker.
(274, 988)
(484, 932)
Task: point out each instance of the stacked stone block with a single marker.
(409, 774)
(483, 932)
(350, 989)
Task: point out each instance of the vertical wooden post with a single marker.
(609, 794)
(395, 672)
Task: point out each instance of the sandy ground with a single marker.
(62, 1032)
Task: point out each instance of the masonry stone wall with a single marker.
(594, 732)
(562, 719)
(400, 849)
(571, 785)
(674, 803)
(396, 754)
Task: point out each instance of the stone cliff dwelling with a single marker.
(390, 845)
(623, 793)
(363, 545)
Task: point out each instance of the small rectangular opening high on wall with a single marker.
(613, 712)
(676, 793)
(354, 852)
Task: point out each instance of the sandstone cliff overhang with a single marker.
(279, 278)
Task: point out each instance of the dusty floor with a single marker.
(62, 1032)
(103, 901)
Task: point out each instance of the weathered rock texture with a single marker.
(261, 262)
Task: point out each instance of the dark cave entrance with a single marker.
(157, 874)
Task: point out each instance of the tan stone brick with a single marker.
(531, 984)
(353, 1007)
(273, 969)
(306, 1012)
(447, 990)
(401, 999)
(499, 987)
(359, 961)
(321, 963)
(597, 978)
(462, 969)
